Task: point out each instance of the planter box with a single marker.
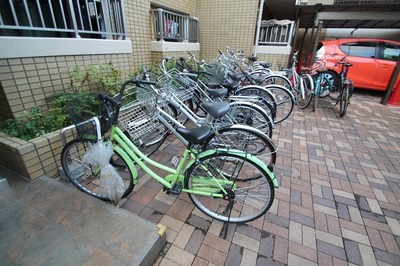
(33, 158)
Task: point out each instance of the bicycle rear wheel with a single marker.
(248, 114)
(307, 82)
(243, 138)
(259, 95)
(284, 101)
(344, 100)
(276, 79)
(86, 177)
(243, 197)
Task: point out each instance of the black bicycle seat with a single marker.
(216, 109)
(194, 135)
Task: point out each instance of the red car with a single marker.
(373, 60)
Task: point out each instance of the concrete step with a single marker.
(44, 222)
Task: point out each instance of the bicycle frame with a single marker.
(131, 154)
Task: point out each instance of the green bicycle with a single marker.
(228, 185)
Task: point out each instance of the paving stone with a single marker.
(367, 255)
(235, 254)
(216, 242)
(212, 255)
(194, 243)
(346, 201)
(302, 219)
(198, 222)
(342, 211)
(352, 252)
(277, 220)
(179, 256)
(249, 231)
(373, 216)
(302, 251)
(331, 250)
(266, 246)
(245, 241)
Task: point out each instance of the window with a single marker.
(391, 52)
(102, 19)
(363, 49)
(173, 27)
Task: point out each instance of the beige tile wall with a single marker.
(278, 61)
(28, 82)
(226, 23)
(138, 20)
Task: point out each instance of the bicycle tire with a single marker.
(276, 79)
(149, 143)
(325, 85)
(265, 98)
(243, 138)
(344, 99)
(284, 100)
(315, 102)
(307, 83)
(249, 114)
(316, 93)
(82, 175)
(247, 198)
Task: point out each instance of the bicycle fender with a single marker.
(239, 153)
(129, 162)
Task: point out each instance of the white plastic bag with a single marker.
(110, 180)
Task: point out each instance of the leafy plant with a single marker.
(31, 125)
(36, 122)
(106, 77)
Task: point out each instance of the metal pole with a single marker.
(73, 18)
(260, 11)
(392, 81)
(316, 40)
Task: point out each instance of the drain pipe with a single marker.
(260, 12)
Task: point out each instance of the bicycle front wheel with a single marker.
(243, 138)
(86, 177)
(240, 196)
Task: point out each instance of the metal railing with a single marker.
(102, 19)
(371, 2)
(276, 32)
(174, 27)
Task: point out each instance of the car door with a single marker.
(388, 56)
(363, 56)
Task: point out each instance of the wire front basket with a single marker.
(139, 116)
(81, 113)
(178, 84)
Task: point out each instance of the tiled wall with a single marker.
(224, 23)
(28, 82)
(278, 61)
(138, 19)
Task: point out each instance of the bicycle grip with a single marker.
(107, 99)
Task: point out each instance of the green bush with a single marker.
(36, 122)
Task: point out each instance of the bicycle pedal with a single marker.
(175, 161)
(176, 189)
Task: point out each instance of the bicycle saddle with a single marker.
(217, 93)
(252, 58)
(265, 64)
(216, 109)
(194, 135)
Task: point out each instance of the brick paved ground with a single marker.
(338, 203)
